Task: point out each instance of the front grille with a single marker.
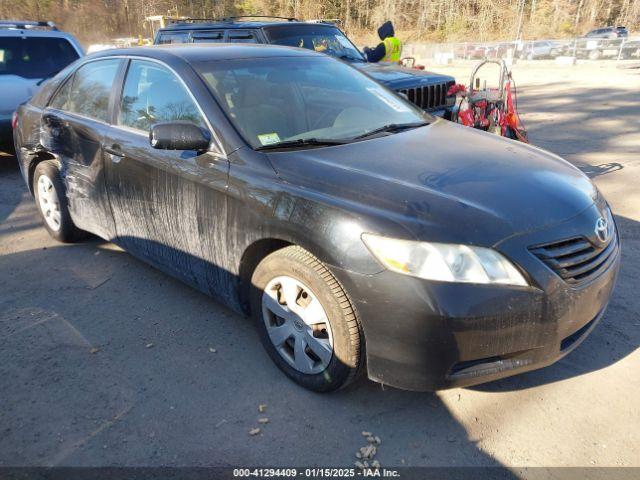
(577, 260)
(429, 97)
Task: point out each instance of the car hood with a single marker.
(443, 182)
(395, 76)
(15, 90)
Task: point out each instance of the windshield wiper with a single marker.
(391, 128)
(303, 142)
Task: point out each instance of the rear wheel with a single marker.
(306, 321)
(52, 203)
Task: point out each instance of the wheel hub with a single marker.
(49, 203)
(297, 325)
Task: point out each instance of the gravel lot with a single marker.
(106, 361)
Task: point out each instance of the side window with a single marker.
(173, 37)
(153, 94)
(242, 36)
(61, 98)
(212, 36)
(87, 93)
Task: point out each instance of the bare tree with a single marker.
(98, 20)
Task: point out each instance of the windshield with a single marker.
(274, 100)
(35, 57)
(321, 38)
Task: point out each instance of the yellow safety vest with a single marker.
(392, 49)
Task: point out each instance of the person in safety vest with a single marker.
(389, 49)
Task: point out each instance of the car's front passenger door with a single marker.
(156, 194)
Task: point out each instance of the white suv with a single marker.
(30, 52)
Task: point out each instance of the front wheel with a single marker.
(306, 321)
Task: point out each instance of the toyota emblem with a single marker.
(602, 229)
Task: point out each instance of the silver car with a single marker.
(539, 49)
(30, 52)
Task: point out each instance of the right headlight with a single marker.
(444, 262)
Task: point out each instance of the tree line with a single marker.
(415, 20)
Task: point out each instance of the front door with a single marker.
(168, 205)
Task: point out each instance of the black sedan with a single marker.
(361, 233)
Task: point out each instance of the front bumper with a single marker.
(425, 335)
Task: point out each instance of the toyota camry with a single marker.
(361, 233)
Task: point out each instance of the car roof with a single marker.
(28, 32)
(207, 52)
(242, 25)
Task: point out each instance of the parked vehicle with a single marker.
(597, 48)
(502, 49)
(473, 52)
(426, 89)
(359, 231)
(630, 49)
(539, 49)
(30, 52)
(608, 32)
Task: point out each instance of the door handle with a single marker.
(114, 153)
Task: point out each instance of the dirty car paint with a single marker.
(207, 217)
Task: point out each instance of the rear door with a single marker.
(169, 205)
(73, 127)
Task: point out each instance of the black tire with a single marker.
(348, 341)
(67, 231)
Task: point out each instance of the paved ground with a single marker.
(178, 403)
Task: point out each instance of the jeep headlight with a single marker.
(444, 262)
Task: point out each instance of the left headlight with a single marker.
(444, 262)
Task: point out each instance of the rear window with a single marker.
(321, 38)
(207, 36)
(167, 38)
(35, 57)
(242, 36)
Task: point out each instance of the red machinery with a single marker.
(410, 62)
(490, 109)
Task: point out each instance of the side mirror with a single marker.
(179, 136)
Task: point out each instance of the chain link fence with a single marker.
(576, 48)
